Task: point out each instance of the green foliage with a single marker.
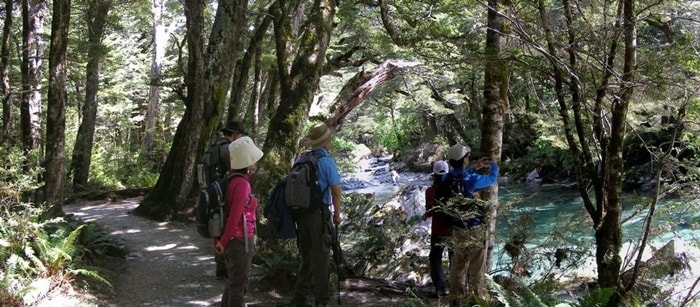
(342, 148)
(370, 247)
(118, 169)
(278, 263)
(394, 135)
(15, 180)
(511, 298)
(34, 249)
(597, 298)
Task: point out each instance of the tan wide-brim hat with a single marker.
(243, 153)
(318, 135)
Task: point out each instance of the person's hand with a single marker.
(424, 216)
(218, 247)
(483, 162)
(336, 217)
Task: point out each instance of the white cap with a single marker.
(440, 167)
(458, 151)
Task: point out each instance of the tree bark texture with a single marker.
(170, 193)
(224, 44)
(33, 13)
(493, 111)
(609, 235)
(160, 38)
(360, 86)
(605, 213)
(82, 152)
(56, 116)
(6, 133)
(298, 81)
(242, 72)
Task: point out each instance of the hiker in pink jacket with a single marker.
(237, 243)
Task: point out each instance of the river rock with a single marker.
(670, 266)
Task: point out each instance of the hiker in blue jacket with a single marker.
(469, 248)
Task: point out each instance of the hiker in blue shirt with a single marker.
(469, 248)
(314, 227)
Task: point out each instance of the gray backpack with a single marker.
(302, 192)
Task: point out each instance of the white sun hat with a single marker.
(243, 153)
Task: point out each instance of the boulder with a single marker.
(663, 273)
(361, 151)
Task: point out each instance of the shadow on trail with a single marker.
(169, 264)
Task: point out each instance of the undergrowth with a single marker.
(39, 254)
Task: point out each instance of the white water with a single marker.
(557, 219)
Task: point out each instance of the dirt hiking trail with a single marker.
(169, 264)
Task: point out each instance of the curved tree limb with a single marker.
(360, 86)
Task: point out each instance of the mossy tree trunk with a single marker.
(54, 162)
(160, 38)
(82, 151)
(208, 80)
(493, 111)
(33, 13)
(170, 193)
(299, 76)
(241, 75)
(609, 234)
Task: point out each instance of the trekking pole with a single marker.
(338, 258)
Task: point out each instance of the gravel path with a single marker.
(169, 264)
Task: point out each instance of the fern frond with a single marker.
(68, 246)
(90, 273)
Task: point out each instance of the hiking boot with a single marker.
(442, 293)
(456, 303)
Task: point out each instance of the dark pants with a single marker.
(438, 244)
(313, 240)
(220, 264)
(238, 261)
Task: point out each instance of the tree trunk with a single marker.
(224, 44)
(242, 73)
(298, 82)
(82, 152)
(208, 79)
(160, 38)
(33, 12)
(609, 235)
(174, 184)
(253, 118)
(605, 213)
(494, 108)
(56, 117)
(5, 91)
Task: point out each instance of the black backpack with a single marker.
(456, 209)
(302, 192)
(209, 168)
(211, 208)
